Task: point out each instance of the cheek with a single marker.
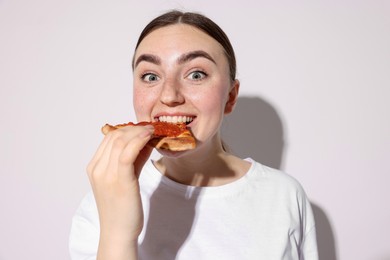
(213, 101)
(142, 102)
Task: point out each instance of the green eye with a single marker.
(197, 75)
(149, 77)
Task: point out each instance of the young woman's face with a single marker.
(182, 75)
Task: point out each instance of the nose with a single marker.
(171, 94)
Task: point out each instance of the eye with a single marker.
(197, 75)
(149, 77)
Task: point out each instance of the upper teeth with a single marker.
(175, 119)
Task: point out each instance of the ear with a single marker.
(233, 95)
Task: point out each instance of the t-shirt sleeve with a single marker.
(309, 241)
(309, 246)
(84, 233)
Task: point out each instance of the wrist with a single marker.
(117, 248)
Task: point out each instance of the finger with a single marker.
(108, 163)
(98, 154)
(100, 161)
(132, 151)
(141, 159)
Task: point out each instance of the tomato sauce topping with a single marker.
(162, 129)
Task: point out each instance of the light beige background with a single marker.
(315, 92)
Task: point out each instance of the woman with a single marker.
(203, 203)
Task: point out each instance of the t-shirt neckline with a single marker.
(188, 191)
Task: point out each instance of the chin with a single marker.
(173, 154)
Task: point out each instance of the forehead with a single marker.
(178, 38)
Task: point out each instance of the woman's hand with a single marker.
(113, 173)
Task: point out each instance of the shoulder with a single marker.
(277, 184)
(285, 193)
(275, 177)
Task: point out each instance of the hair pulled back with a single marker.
(196, 20)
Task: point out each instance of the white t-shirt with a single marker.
(263, 215)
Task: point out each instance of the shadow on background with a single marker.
(255, 130)
(325, 236)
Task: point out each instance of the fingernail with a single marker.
(150, 128)
(149, 131)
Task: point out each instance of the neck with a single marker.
(210, 166)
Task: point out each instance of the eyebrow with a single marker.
(186, 57)
(148, 58)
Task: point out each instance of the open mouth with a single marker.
(176, 119)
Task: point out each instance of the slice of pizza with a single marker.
(169, 136)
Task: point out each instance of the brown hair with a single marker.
(199, 21)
